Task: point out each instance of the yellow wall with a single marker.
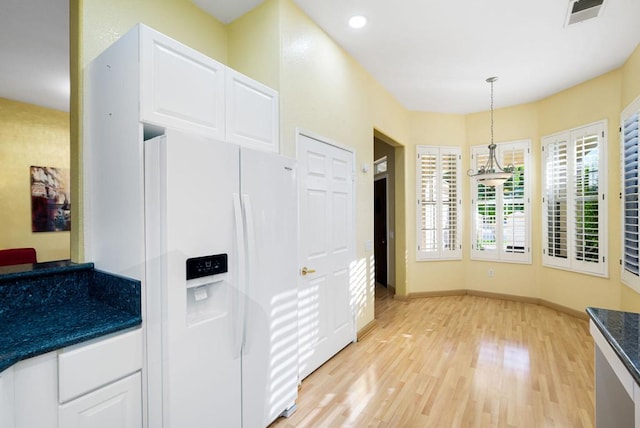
(30, 135)
(631, 79)
(511, 124)
(254, 44)
(324, 91)
(103, 22)
(588, 102)
(432, 129)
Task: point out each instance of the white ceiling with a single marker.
(435, 55)
(431, 55)
(34, 47)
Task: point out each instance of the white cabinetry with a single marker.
(252, 113)
(35, 383)
(91, 385)
(89, 396)
(116, 357)
(180, 87)
(116, 405)
(617, 393)
(6, 398)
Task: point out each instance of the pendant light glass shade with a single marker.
(492, 174)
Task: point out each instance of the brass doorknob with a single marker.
(305, 270)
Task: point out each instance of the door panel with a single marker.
(316, 204)
(341, 212)
(326, 247)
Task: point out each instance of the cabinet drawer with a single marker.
(83, 368)
(116, 405)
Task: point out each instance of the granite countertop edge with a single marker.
(73, 338)
(29, 270)
(622, 355)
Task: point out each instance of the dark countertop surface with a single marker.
(621, 330)
(47, 306)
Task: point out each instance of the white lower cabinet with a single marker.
(35, 387)
(6, 398)
(116, 405)
(99, 383)
(96, 384)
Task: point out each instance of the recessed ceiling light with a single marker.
(357, 21)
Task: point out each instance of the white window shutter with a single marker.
(439, 199)
(575, 210)
(501, 228)
(428, 215)
(587, 207)
(555, 182)
(515, 213)
(630, 262)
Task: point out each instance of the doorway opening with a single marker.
(381, 228)
(388, 190)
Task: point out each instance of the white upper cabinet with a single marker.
(147, 77)
(251, 113)
(180, 87)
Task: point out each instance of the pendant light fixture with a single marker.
(491, 173)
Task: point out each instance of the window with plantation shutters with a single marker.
(574, 206)
(501, 225)
(555, 196)
(439, 199)
(629, 197)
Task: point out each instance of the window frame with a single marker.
(440, 253)
(502, 254)
(572, 261)
(628, 278)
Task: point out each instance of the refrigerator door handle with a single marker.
(241, 292)
(250, 255)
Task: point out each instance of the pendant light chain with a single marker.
(491, 79)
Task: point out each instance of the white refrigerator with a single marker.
(221, 272)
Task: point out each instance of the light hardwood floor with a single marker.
(460, 361)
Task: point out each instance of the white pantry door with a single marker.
(327, 232)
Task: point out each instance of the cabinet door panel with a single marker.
(115, 405)
(6, 398)
(181, 88)
(35, 387)
(252, 113)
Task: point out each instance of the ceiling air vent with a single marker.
(581, 10)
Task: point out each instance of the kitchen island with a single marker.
(617, 367)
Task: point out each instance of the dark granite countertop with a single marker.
(47, 306)
(621, 330)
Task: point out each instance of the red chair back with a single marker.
(17, 256)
